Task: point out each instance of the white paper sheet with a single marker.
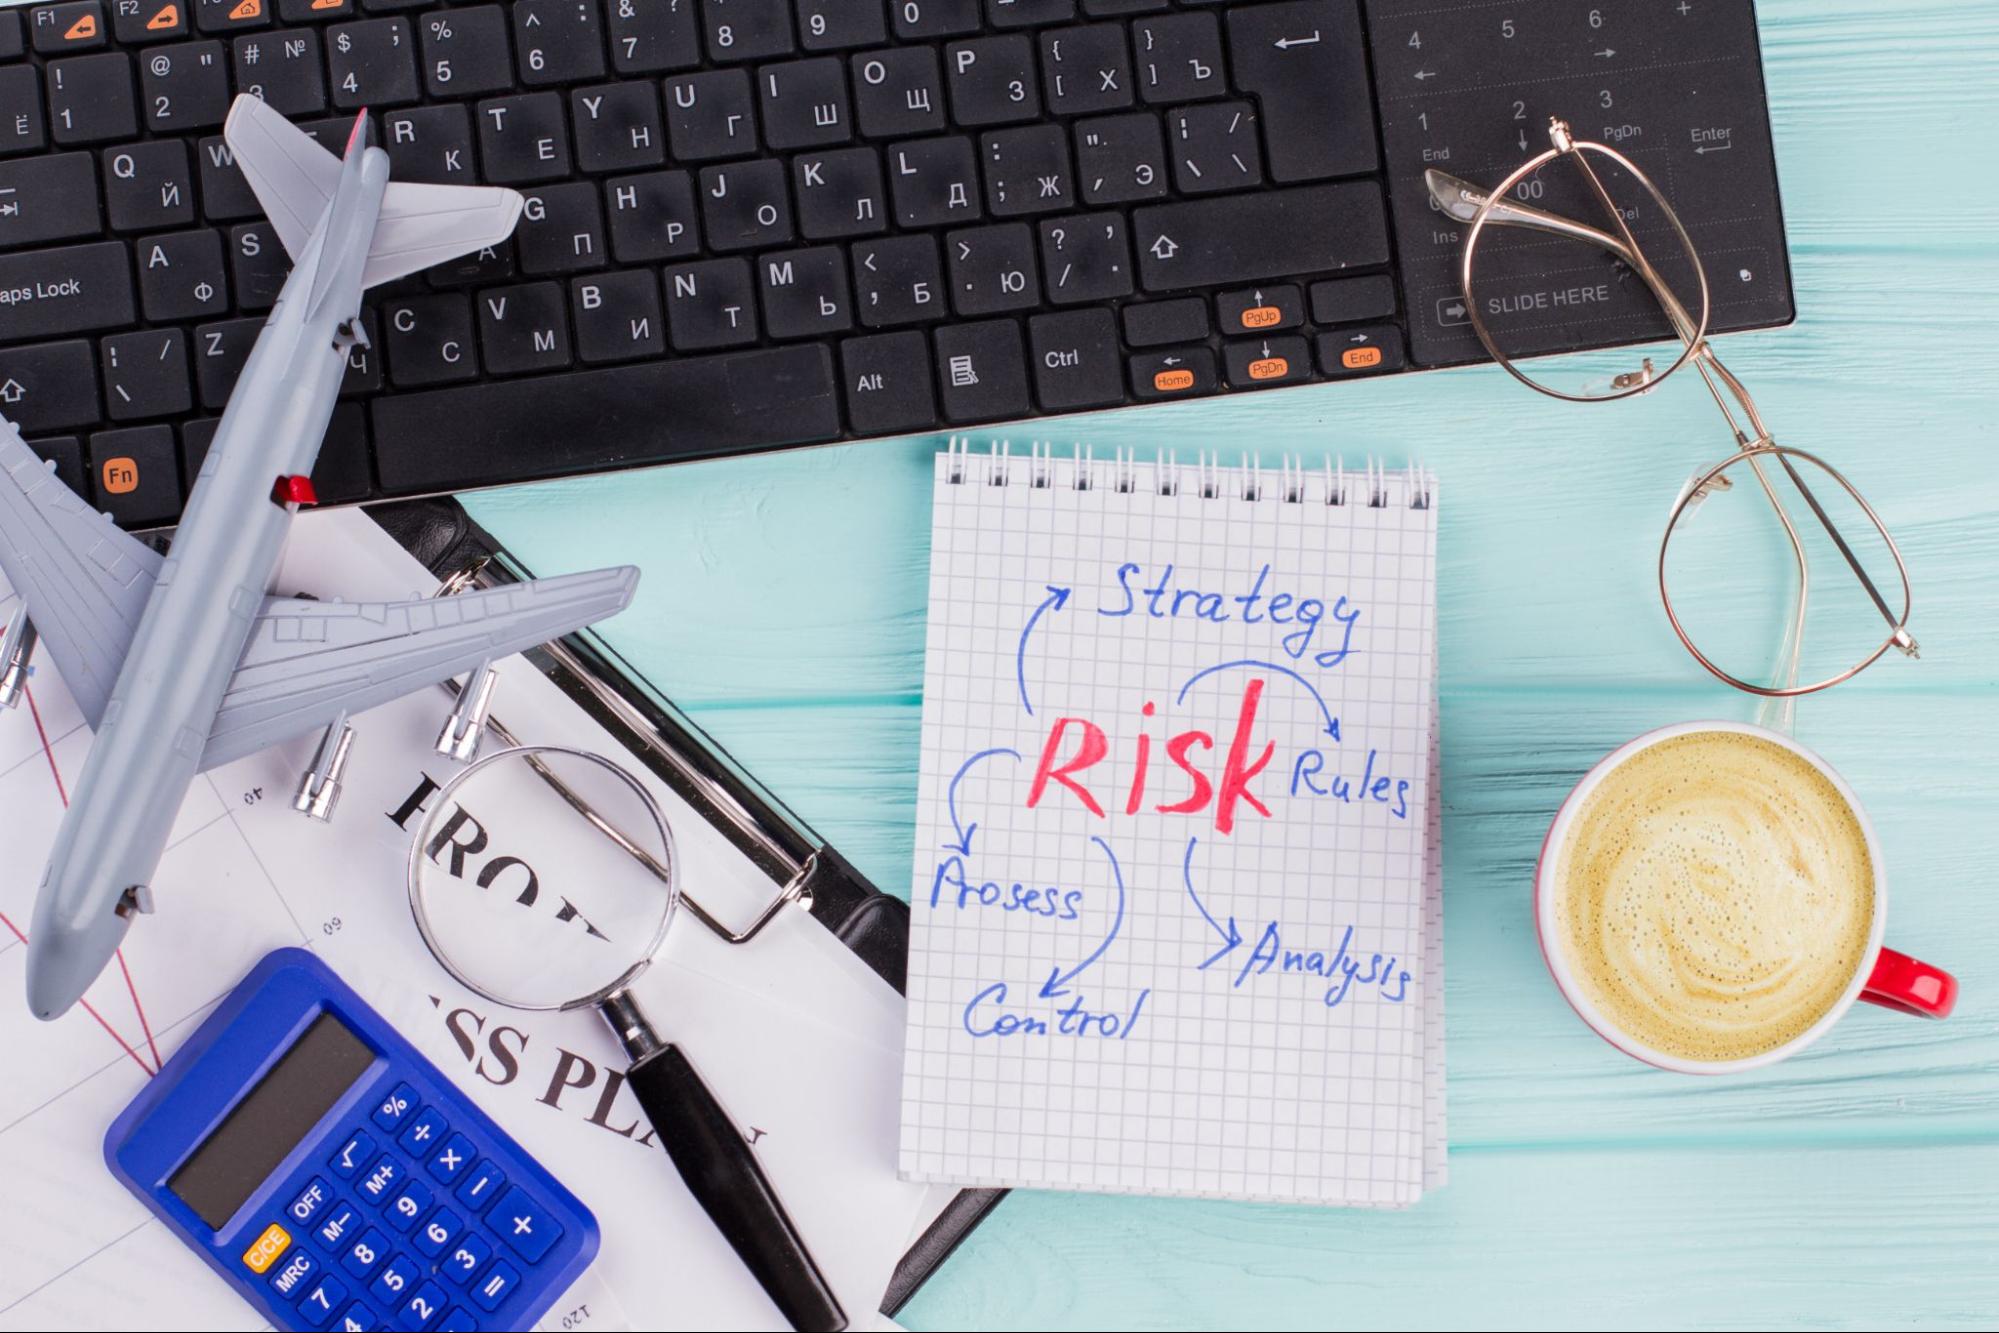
(797, 1037)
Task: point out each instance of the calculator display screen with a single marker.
(269, 1122)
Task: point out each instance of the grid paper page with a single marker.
(1124, 974)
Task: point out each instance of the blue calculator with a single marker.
(335, 1177)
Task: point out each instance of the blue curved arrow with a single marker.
(1057, 598)
(963, 846)
(1058, 980)
(1230, 937)
(1332, 727)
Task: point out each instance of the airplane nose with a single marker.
(65, 957)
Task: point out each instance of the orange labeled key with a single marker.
(120, 477)
(1173, 381)
(264, 1251)
(328, 4)
(1262, 317)
(167, 17)
(246, 9)
(1269, 368)
(82, 30)
(1360, 358)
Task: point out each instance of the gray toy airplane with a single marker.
(185, 663)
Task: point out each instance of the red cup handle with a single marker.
(1910, 986)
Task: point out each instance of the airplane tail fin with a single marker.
(295, 179)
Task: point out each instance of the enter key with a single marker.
(1305, 62)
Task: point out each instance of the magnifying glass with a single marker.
(543, 878)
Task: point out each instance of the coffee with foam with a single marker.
(1715, 896)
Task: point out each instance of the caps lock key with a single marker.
(68, 290)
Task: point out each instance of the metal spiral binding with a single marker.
(1376, 485)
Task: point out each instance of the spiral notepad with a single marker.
(1177, 893)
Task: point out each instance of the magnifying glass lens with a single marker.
(542, 878)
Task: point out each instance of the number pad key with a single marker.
(525, 1226)
(436, 1233)
(453, 1160)
(353, 1155)
(408, 1206)
(322, 1300)
(338, 1225)
(423, 1306)
(465, 1259)
(365, 1253)
(382, 1178)
(495, 1285)
(310, 1201)
(424, 1133)
(480, 1186)
(396, 1107)
(392, 1285)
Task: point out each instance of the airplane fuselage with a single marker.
(204, 605)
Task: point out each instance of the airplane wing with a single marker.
(82, 581)
(422, 225)
(291, 175)
(307, 662)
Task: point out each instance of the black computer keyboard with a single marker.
(761, 223)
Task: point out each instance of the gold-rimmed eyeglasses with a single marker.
(1715, 576)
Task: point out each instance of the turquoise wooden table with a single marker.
(1854, 1186)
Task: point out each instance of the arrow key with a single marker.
(1363, 351)
(135, 21)
(49, 386)
(1265, 363)
(1180, 372)
(1260, 309)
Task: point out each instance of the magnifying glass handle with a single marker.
(726, 1180)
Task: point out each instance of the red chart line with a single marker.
(48, 752)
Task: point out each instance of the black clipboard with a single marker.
(874, 924)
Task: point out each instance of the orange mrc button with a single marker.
(1269, 368)
(1262, 317)
(120, 476)
(1173, 381)
(264, 1251)
(1360, 358)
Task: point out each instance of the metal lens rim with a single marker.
(442, 798)
(1498, 195)
(1685, 502)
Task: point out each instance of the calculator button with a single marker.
(290, 1278)
(356, 1318)
(408, 1206)
(264, 1250)
(365, 1253)
(481, 1185)
(495, 1285)
(393, 1283)
(523, 1224)
(396, 1107)
(424, 1133)
(382, 1179)
(436, 1233)
(353, 1155)
(309, 1201)
(458, 1320)
(320, 1303)
(452, 1159)
(424, 1306)
(341, 1219)
(465, 1258)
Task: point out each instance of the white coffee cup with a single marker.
(1881, 975)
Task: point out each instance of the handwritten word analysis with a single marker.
(1344, 969)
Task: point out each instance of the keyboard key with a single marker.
(352, 1155)
(557, 41)
(372, 63)
(66, 290)
(185, 86)
(1340, 300)
(1085, 257)
(830, 25)
(1317, 112)
(47, 199)
(992, 269)
(1361, 351)
(437, 1232)
(805, 104)
(1076, 360)
(935, 18)
(839, 193)
(934, 181)
(364, 1254)
(397, 1279)
(408, 1206)
(1179, 58)
(61, 29)
(1260, 309)
(455, 1158)
(465, 1259)
(225, 194)
(66, 452)
(344, 470)
(281, 67)
(357, 1317)
(805, 293)
(229, 15)
(219, 353)
(290, 1278)
(524, 328)
(458, 1320)
(342, 1218)
(898, 92)
(424, 1132)
(748, 29)
(982, 371)
(523, 139)
(181, 276)
(1086, 70)
(898, 281)
(744, 205)
(322, 1301)
(888, 383)
(495, 1285)
(271, 1242)
(145, 374)
(1214, 147)
(1183, 372)
(1156, 323)
(147, 186)
(137, 21)
(402, 419)
(1267, 234)
(431, 340)
(711, 115)
(1121, 159)
(90, 99)
(13, 42)
(49, 387)
(379, 1184)
(1027, 170)
(314, 11)
(617, 317)
(653, 216)
(712, 303)
(423, 1306)
(310, 1202)
(992, 80)
(258, 265)
(1267, 362)
(136, 474)
(618, 127)
(430, 144)
(466, 51)
(652, 38)
(22, 127)
(443, 438)
(1021, 13)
